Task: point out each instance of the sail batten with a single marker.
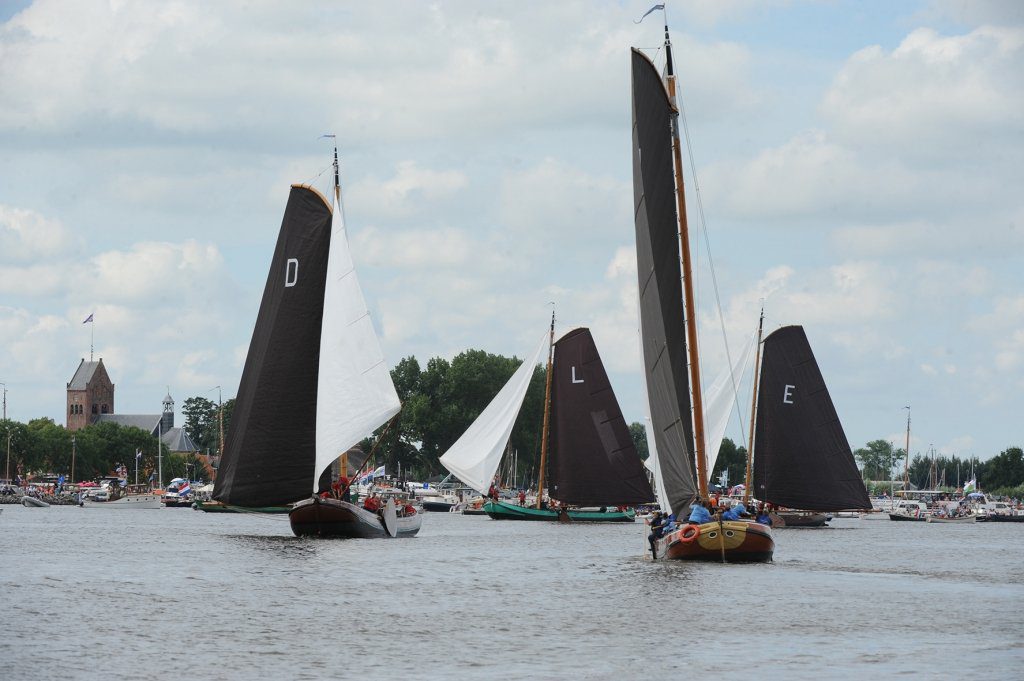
(594, 460)
(663, 337)
(802, 458)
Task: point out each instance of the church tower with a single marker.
(167, 420)
(90, 394)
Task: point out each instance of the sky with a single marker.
(859, 168)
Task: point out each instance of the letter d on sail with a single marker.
(291, 272)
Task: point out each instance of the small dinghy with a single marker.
(32, 502)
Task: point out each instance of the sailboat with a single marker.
(314, 383)
(587, 453)
(801, 457)
(668, 337)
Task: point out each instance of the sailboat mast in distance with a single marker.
(547, 413)
(753, 412)
(906, 463)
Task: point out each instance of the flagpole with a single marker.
(92, 337)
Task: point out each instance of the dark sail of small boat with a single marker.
(594, 460)
(802, 458)
(657, 253)
(274, 420)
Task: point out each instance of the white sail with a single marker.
(475, 456)
(719, 400)
(355, 393)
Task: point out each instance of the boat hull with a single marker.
(437, 506)
(729, 541)
(905, 517)
(335, 518)
(1004, 519)
(218, 507)
(798, 519)
(964, 519)
(32, 502)
(126, 502)
(499, 510)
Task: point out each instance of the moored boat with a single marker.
(126, 501)
(951, 519)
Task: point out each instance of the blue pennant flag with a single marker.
(653, 9)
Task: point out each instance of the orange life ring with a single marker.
(689, 533)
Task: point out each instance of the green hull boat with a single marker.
(217, 507)
(499, 510)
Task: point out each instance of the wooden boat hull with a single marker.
(731, 541)
(217, 507)
(317, 517)
(32, 502)
(1004, 519)
(911, 518)
(126, 502)
(798, 519)
(964, 519)
(499, 510)
(437, 506)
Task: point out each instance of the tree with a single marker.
(732, 458)
(201, 422)
(1005, 469)
(639, 435)
(877, 459)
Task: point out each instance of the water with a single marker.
(174, 593)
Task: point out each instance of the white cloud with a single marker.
(410, 188)
(25, 235)
(934, 95)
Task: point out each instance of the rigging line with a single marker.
(707, 241)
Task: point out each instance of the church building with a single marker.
(90, 399)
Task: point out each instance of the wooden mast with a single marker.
(753, 413)
(684, 246)
(547, 414)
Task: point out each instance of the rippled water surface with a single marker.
(174, 593)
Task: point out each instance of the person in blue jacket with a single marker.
(735, 512)
(699, 513)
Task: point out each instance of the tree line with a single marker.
(42, 447)
(440, 401)
(1003, 474)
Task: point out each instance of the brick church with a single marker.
(90, 399)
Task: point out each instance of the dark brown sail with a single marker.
(593, 461)
(271, 445)
(663, 337)
(802, 458)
